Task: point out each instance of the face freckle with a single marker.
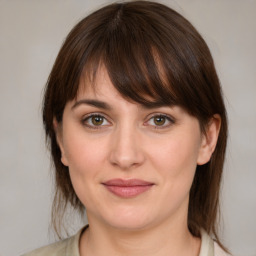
(161, 157)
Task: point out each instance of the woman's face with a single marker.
(131, 166)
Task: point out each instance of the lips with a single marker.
(127, 188)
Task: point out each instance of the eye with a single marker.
(95, 121)
(160, 121)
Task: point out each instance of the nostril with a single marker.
(125, 151)
(126, 158)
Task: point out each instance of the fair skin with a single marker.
(104, 137)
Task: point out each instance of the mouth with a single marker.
(127, 188)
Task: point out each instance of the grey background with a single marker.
(31, 35)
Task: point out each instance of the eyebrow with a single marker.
(156, 104)
(106, 106)
(94, 103)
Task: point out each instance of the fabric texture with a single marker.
(70, 247)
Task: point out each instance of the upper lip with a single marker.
(127, 183)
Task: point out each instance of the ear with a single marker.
(58, 132)
(209, 140)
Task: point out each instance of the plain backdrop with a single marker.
(31, 33)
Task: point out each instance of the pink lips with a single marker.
(127, 188)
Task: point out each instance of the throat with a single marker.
(137, 244)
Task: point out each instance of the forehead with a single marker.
(100, 86)
(103, 94)
(97, 83)
(97, 86)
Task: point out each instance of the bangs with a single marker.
(149, 60)
(134, 67)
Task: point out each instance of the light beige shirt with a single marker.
(70, 247)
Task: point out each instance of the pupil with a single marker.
(97, 120)
(159, 120)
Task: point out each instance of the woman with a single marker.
(137, 126)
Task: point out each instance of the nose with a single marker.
(126, 148)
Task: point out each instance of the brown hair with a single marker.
(150, 52)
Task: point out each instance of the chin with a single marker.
(129, 219)
(131, 225)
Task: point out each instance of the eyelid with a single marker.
(168, 117)
(90, 115)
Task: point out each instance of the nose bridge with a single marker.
(126, 147)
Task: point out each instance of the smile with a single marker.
(127, 188)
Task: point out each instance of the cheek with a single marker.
(176, 155)
(85, 157)
(83, 152)
(176, 164)
(175, 160)
(86, 163)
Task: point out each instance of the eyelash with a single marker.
(167, 118)
(91, 126)
(90, 116)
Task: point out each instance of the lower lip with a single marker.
(128, 191)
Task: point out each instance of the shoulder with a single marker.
(55, 249)
(218, 251)
(209, 247)
(69, 246)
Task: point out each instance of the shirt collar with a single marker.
(207, 245)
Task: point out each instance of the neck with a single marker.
(175, 239)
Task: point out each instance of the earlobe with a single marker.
(58, 133)
(209, 140)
